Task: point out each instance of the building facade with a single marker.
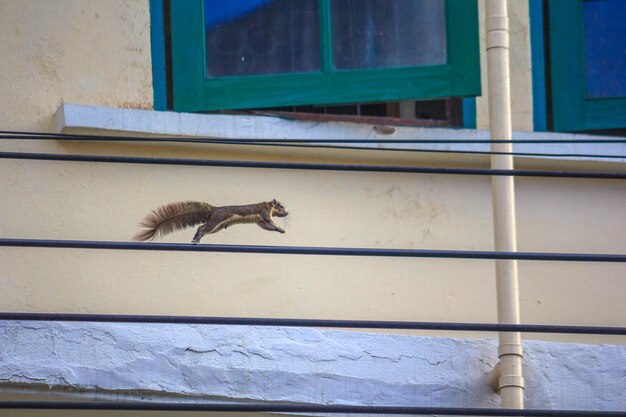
(281, 70)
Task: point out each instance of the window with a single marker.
(242, 54)
(587, 45)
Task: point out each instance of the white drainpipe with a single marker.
(509, 371)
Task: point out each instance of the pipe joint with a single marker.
(497, 39)
(511, 381)
(506, 349)
(497, 380)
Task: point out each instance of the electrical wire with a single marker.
(319, 323)
(291, 408)
(288, 143)
(67, 136)
(409, 150)
(308, 250)
(310, 166)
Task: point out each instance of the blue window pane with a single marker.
(388, 33)
(258, 37)
(605, 47)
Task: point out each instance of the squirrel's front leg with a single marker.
(270, 226)
(267, 223)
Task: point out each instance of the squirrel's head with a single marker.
(278, 209)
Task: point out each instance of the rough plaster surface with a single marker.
(85, 51)
(299, 365)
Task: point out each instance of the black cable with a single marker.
(309, 166)
(442, 151)
(288, 408)
(319, 323)
(286, 144)
(67, 136)
(304, 250)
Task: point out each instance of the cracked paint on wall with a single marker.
(299, 365)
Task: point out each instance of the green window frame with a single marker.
(572, 109)
(193, 91)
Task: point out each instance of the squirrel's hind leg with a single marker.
(214, 225)
(199, 233)
(197, 236)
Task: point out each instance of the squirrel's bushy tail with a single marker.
(171, 217)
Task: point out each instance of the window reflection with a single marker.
(388, 33)
(605, 47)
(256, 37)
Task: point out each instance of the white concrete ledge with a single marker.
(105, 120)
(184, 362)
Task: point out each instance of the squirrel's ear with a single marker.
(274, 202)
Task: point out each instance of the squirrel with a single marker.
(177, 216)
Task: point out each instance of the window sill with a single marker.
(76, 118)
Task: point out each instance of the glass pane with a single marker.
(388, 33)
(605, 47)
(254, 37)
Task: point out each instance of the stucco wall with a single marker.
(80, 51)
(298, 366)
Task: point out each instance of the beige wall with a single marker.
(98, 52)
(77, 51)
(56, 200)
